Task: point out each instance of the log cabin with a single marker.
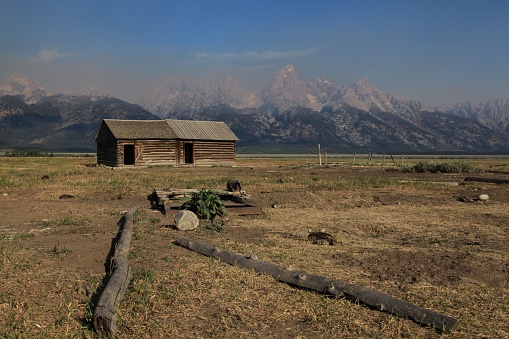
(164, 142)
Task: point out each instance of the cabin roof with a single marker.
(201, 130)
(169, 129)
(140, 129)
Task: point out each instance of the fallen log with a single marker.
(498, 172)
(169, 200)
(490, 180)
(328, 286)
(105, 319)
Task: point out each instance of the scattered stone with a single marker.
(36, 230)
(321, 238)
(475, 243)
(465, 199)
(483, 197)
(45, 177)
(186, 220)
(66, 196)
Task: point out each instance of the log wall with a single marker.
(214, 153)
(166, 152)
(151, 152)
(208, 153)
(107, 153)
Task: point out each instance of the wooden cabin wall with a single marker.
(167, 152)
(214, 153)
(107, 153)
(158, 152)
(150, 152)
(104, 135)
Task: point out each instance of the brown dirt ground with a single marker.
(389, 238)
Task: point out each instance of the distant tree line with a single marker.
(30, 153)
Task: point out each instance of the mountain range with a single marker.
(289, 115)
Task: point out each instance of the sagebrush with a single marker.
(439, 167)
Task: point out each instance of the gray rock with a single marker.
(186, 220)
(483, 197)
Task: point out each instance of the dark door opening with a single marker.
(128, 154)
(188, 153)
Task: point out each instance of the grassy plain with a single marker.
(404, 234)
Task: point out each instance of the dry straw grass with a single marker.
(401, 234)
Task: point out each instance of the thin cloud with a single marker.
(202, 55)
(266, 55)
(48, 55)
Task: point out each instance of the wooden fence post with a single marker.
(319, 155)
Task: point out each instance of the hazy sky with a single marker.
(433, 51)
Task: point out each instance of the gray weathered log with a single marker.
(491, 180)
(372, 298)
(105, 318)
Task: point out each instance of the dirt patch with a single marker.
(435, 267)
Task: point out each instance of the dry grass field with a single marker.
(403, 234)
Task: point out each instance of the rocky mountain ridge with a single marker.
(284, 91)
(493, 114)
(183, 95)
(288, 111)
(57, 121)
(26, 89)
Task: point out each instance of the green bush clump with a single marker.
(206, 204)
(439, 167)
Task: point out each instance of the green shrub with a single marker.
(206, 204)
(439, 167)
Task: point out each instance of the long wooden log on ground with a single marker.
(105, 318)
(491, 180)
(372, 298)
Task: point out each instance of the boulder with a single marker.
(483, 197)
(186, 220)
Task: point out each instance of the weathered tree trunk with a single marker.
(372, 298)
(105, 319)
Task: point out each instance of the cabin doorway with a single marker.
(188, 153)
(129, 155)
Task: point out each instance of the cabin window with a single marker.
(128, 154)
(188, 153)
